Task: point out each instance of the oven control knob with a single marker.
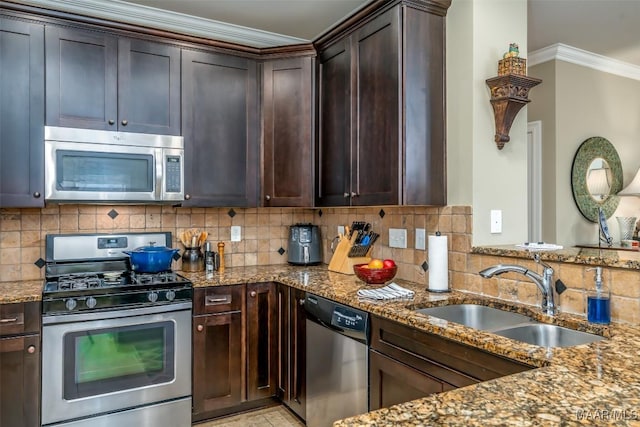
(70, 304)
(152, 297)
(91, 302)
(170, 295)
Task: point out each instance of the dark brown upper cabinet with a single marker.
(287, 170)
(220, 129)
(21, 114)
(97, 80)
(381, 104)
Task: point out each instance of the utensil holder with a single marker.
(192, 259)
(627, 225)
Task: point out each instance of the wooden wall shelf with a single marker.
(509, 93)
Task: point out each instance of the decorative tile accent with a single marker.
(381, 213)
(113, 213)
(281, 250)
(176, 256)
(425, 266)
(40, 263)
(231, 213)
(320, 212)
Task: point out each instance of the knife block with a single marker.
(341, 262)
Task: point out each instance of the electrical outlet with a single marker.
(397, 238)
(341, 229)
(421, 239)
(496, 221)
(236, 233)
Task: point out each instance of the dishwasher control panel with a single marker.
(339, 317)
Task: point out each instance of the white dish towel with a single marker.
(389, 292)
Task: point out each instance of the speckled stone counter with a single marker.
(577, 255)
(590, 384)
(26, 291)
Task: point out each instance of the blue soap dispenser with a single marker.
(599, 301)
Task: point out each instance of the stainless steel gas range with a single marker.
(116, 345)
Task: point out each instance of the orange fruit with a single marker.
(375, 263)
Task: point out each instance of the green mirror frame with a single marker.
(591, 149)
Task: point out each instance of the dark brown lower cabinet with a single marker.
(262, 351)
(406, 363)
(392, 382)
(20, 365)
(218, 349)
(292, 348)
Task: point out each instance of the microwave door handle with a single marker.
(159, 156)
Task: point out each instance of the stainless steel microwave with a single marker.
(106, 166)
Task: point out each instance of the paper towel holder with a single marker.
(426, 266)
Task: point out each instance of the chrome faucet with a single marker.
(544, 281)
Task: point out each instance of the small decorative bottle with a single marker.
(599, 301)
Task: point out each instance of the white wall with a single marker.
(478, 33)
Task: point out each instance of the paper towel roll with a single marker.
(438, 264)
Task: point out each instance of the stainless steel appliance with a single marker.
(337, 361)
(305, 246)
(116, 345)
(106, 166)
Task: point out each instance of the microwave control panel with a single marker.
(173, 174)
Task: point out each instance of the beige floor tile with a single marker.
(276, 416)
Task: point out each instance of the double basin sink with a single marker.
(510, 325)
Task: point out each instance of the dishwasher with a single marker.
(337, 361)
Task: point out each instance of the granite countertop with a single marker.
(587, 384)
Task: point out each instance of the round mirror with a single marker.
(596, 178)
(599, 179)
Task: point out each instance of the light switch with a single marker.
(496, 221)
(421, 239)
(236, 233)
(341, 230)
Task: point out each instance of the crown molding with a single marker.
(566, 53)
(145, 16)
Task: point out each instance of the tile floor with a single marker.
(275, 416)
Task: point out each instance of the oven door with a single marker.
(135, 357)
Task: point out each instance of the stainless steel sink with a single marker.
(476, 316)
(548, 335)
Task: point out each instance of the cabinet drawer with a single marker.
(455, 363)
(19, 318)
(218, 299)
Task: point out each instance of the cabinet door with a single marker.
(148, 87)
(375, 167)
(20, 381)
(218, 361)
(334, 135)
(283, 317)
(21, 114)
(297, 353)
(261, 341)
(392, 382)
(220, 129)
(287, 169)
(81, 78)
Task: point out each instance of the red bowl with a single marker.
(374, 276)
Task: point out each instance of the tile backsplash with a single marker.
(265, 231)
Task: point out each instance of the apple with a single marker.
(388, 263)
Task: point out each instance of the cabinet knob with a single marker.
(354, 194)
(187, 196)
(31, 349)
(346, 195)
(124, 122)
(200, 328)
(268, 197)
(36, 194)
(301, 301)
(111, 121)
(253, 294)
